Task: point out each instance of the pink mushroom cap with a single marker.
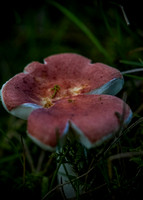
(61, 76)
(92, 119)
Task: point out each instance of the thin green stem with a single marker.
(84, 28)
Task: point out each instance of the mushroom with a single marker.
(66, 93)
(73, 74)
(92, 119)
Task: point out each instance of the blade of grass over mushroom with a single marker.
(84, 28)
(140, 120)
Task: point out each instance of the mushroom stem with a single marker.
(65, 174)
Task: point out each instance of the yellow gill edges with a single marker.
(46, 102)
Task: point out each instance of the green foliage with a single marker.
(83, 28)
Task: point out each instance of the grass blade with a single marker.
(83, 27)
(131, 63)
(134, 77)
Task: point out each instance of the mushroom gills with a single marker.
(112, 87)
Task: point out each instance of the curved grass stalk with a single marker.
(132, 63)
(84, 28)
(132, 71)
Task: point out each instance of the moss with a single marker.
(55, 90)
